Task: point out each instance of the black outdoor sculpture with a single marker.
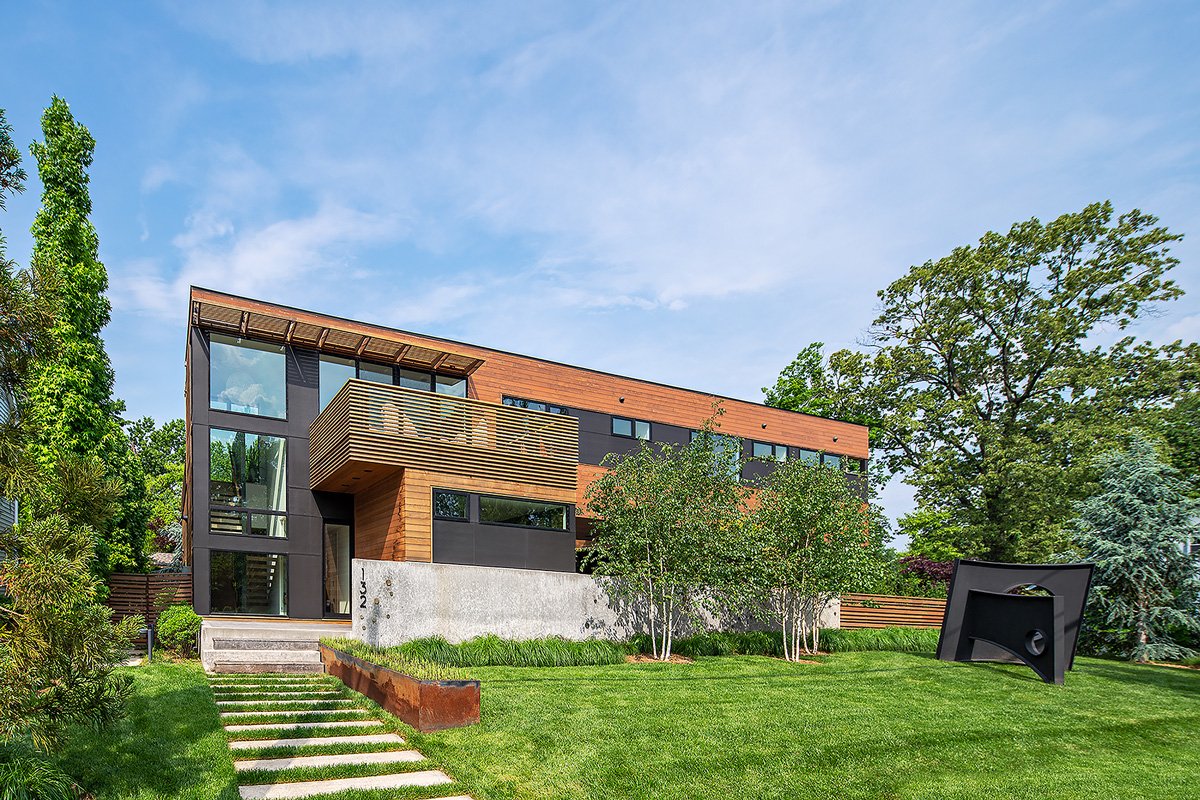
(1017, 613)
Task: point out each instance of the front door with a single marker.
(337, 569)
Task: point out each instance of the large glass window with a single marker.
(379, 373)
(810, 456)
(633, 428)
(247, 583)
(830, 460)
(444, 384)
(334, 374)
(530, 513)
(337, 569)
(411, 379)
(775, 452)
(452, 505)
(247, 480)
(247, 377)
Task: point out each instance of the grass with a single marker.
(770, 643)
(899, 640)
(858, 725)
(171, 745)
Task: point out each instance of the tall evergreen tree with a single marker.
(1134, 529)
(71, 411)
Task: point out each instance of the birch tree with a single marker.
(668, 521)
(813, 539)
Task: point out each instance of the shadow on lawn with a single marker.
(170, 743)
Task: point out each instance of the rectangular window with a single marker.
(334, 372)
(247, 483)
(377, 373)
(450, 505)
(529, 513)
(810, 456)
(633, 428)
(830, 460)
(727, 448)
(247, 377)
(247, 583)
(534, 405)
(774, 452)
(455, 387)
(411, 379)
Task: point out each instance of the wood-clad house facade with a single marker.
(314, 439)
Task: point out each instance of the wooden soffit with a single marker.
(340, 341)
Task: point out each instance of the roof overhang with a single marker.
(328, 338)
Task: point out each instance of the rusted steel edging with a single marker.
(425, 705)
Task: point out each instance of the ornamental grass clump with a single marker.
(493, 651)
(420, 669)
(897, 639)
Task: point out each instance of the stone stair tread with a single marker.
(268, 702)
(289, 726)
(274, 656)
(295, 712)
(277, 791)
(312, 741)
(385, 757)
(251, 696)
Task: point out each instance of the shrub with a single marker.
(492, 651)
(903, 640)
(721, 643)
(177, 630)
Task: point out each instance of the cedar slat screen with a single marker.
(883, 611)
(131, 594)
(372, 423)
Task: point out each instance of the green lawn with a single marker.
(170, 746)
(865, 725)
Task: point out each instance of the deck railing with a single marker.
(392, 426)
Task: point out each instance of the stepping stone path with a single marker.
(282, 724)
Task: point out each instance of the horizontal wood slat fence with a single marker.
(131, 594)
(882, 611)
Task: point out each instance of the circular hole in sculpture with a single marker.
(1030, 590)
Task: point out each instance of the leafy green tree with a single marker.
(989, 391)
(1134, 529)
(71, 411)
(1181, 430)
(160, 450)
(25, 318)
(813, 539)
(936, 536)
(824, 388)
(58, 644)
(668, 522)
(157, 447)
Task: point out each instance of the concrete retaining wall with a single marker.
(396, 601)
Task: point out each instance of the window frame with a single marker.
(774, 455)
(466, 496)
(633, 427)
(245, 512)
(524, 403)
(566, 507)
(236, 341)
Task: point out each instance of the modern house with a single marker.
(312, 440)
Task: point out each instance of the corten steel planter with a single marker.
(425, 705)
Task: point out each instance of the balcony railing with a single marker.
(370, 423)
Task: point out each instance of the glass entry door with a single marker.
(337, 570)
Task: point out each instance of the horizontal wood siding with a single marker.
(908, 612)
(502, 374)
(390, 426)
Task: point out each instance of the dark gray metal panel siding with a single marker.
(483, 545)
(303, 545)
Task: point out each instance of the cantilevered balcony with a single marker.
(370, 429)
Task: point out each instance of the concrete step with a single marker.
(225, 643)
(401, 780)
(289, 703)
(282, 667)
(312, 656)
(253, 696)
(386, 757)
(310, 741)
(297, 712)
(295, 726)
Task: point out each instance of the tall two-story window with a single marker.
(247, 479)
(247, 377)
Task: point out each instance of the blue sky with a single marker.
(686, 192)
